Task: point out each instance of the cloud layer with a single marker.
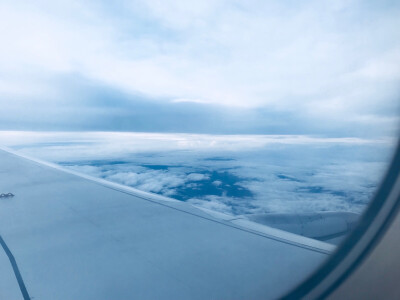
(232, 174)
(259, 63)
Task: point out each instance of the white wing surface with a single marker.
(69, 236)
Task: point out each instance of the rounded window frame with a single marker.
(372, 226)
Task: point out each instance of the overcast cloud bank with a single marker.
(211, 66)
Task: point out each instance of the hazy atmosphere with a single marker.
(238, 106)
(240, 174)
(213, 66)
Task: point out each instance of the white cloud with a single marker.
(279, 173)
(217, 182)
(71, 146)
(213, 203)
(312, 57)
(197, 177)
(150, 181)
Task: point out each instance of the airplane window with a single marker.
(194, 149)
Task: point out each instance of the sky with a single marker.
(327, 68)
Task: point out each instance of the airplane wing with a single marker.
(69, 236)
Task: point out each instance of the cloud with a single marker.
(197, 177)
(72, 146)
(150, 181)
(312, 59)
(213, 203)
(232, 174)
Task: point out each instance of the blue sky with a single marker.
(266, 67)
